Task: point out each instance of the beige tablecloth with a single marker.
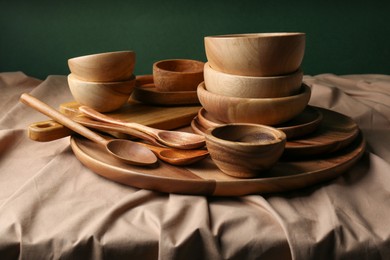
(52, 207)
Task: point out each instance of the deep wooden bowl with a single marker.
(245, 150)
(102, 96)
(103, 67)
(252, 87)
(257, 54)
(177, 75)
(267, 111)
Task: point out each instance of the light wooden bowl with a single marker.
(103, 67)
(267, 111)
(252, 87)
(102, 96)
(177, 75)
(245, 150)
(257, 54)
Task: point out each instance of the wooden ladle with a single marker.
(122, 149)
(176, 139)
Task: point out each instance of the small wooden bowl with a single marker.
(103, 67)
(177, 75)
(102, 96)
(257, 54)
(267, 111)
(245, 150)
(252, 87)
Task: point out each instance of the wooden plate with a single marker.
(204, 178)
(146, 92)
(305, 123)
(334, 132)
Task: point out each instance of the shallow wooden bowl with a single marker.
(245, 150)
(252, 87)
(102, 96)
(177, 75)
(103, 67)
(257, 54)
(267, 111)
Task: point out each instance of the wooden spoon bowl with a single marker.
(252, 87)
(177, 75)
(245, 150)
(104, 67)
(102, 96)
(257, 54)
(267, 111)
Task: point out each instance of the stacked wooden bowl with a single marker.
(103, 81)
(254, 78)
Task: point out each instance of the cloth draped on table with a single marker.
(52, 207)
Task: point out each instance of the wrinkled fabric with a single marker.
(52, 207)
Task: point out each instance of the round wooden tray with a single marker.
(335, 132)
(204, 178)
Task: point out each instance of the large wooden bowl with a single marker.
(245, 150)
(177, 75)
(252, 87)
(103, 67)
(102, 96)
(257, 54)
(267, 111)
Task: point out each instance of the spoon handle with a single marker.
(60, 118)
(138, 127)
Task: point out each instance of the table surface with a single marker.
(51, 206)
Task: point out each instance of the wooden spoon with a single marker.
(122, 149)
(176, 139)
(177, 156)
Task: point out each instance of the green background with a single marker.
(37, 37)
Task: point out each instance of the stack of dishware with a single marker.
(103, 81)
(254, 78)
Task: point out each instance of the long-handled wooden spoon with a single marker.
(176, 139)
(122, 149)
(50, 130)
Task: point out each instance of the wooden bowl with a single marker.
(103, 67)
(257, 54)
(252, 87)
(267, 111)
(177, 75)
(102, 96)
(245, 150)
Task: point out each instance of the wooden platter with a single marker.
(204, 178)
(335, 132)
(146, 92)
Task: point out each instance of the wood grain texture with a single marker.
(177, 75)
(104, 67)
(267, 111)
(257, 54)
(252, 87)
(204, 178)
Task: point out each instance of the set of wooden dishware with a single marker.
(255, 119)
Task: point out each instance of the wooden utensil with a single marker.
(50, 130)
(180, 140)
(121, 149)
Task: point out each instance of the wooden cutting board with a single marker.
(161, 117)
(204, 178)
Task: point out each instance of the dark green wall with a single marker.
(37, 37)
